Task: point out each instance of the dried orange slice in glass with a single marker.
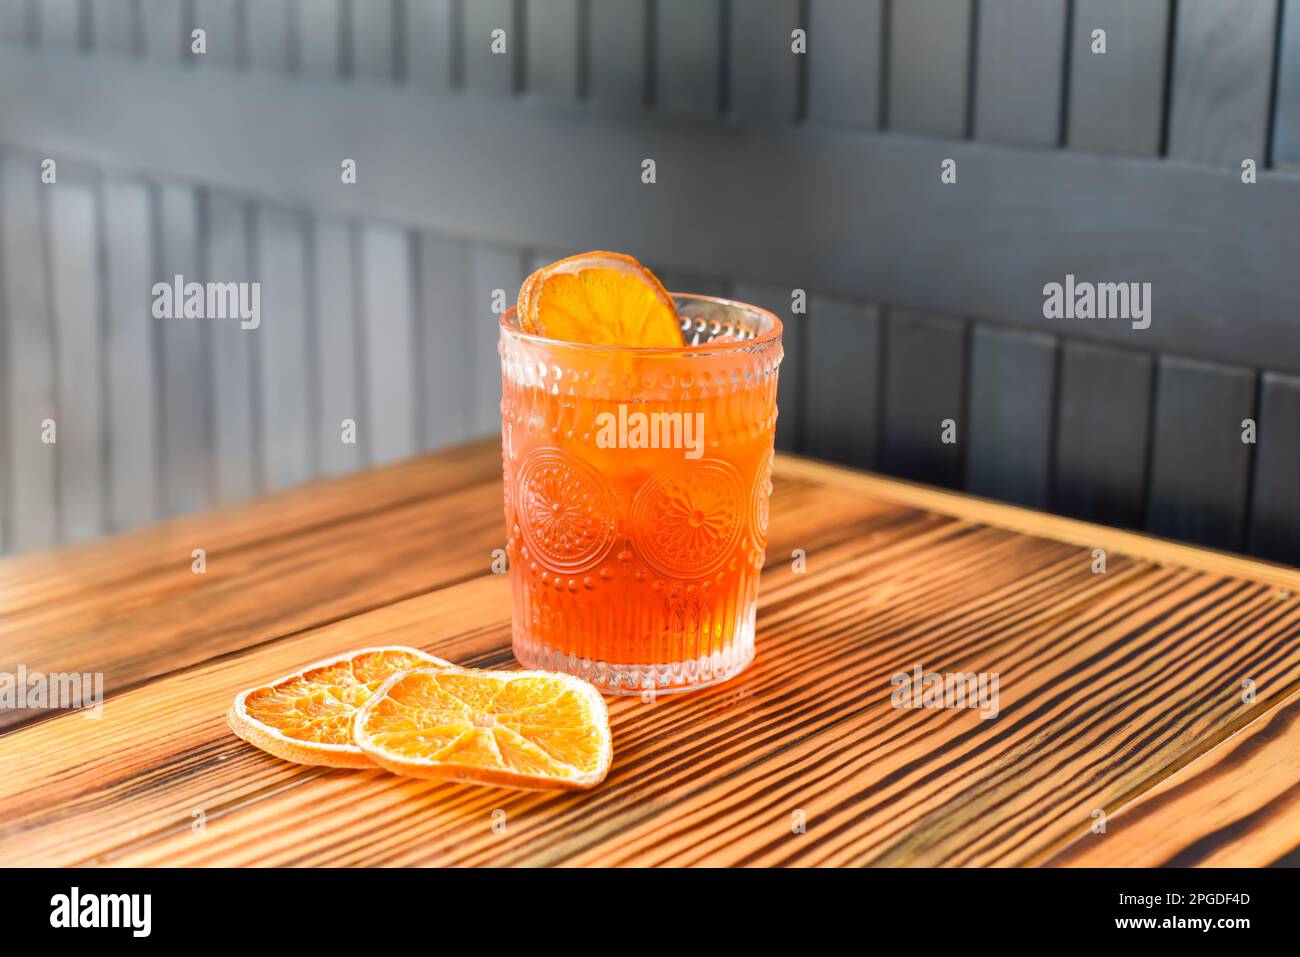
(523, 729)
(601, 298)
(306, 717)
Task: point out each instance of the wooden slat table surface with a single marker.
(1121, 693)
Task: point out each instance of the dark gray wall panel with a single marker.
(446, 307)
(1101, 433)
(1009, 445)
(855, 215)
(186, 399)
(75, 301)
(284, 344)
(132, 375)
(372, 40)
(929, 50)
(60, 26)
(491, 268)
(234, 379)
(388, 311)
(163, 24)
(792, 381)
(485, 71)
(842, 417)
(1020, 66)
(269, 35)
(319, 37)
(551, 31)
(1200, 468)
(1222, 80)
(31, 485)
(925, 372)
(220, 19)
(1117, 97)
(764, 77)
(616, 52)
(688, 47)
(339, 324)
(15, 25)
(114, 26)
(844, 62)
(429, 41)
(1275, 504)
(1286, 118)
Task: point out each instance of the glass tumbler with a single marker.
(636, 497)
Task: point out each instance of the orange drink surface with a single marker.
(636, 496)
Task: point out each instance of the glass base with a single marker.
(664, 678)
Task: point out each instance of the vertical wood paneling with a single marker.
(1116, 102)
(552, 32)
(844, 363)
(388, 316)
(284, 348)
(131, 333)
(234, 378)
(485, 71)
(185, 394)
(675, 280)
(491, 268)
(792, 381)
(115, 26)
(616, 52)
(1222, 80)
(220, 20)
(373, 55)
(60, 24)
(32, 481)
(338, 390)
(1199, 465)
(75, 305)
(844, 62)
(1275, 502)
(1117, 97)
(445, 309)
(268, 34)
(929, 43)
(15, 28)
(924, 385)
(319, 38)
(1101, 439)
(1020, 67)
(429, 38)
(1286, 117)
(1009, 445)
(165, 40)
(764, 71)
(688, 43)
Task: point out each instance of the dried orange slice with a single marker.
(601, 298)
(522, 729)
(306, 717)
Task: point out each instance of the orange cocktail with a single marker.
(636, 497)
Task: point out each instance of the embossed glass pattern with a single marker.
(632, 565)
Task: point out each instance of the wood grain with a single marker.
(1112, 686)
(1243, 796)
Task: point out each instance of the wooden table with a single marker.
(1121, 693)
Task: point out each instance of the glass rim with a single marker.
(772, 334)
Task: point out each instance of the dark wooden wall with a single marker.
(776, 172)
